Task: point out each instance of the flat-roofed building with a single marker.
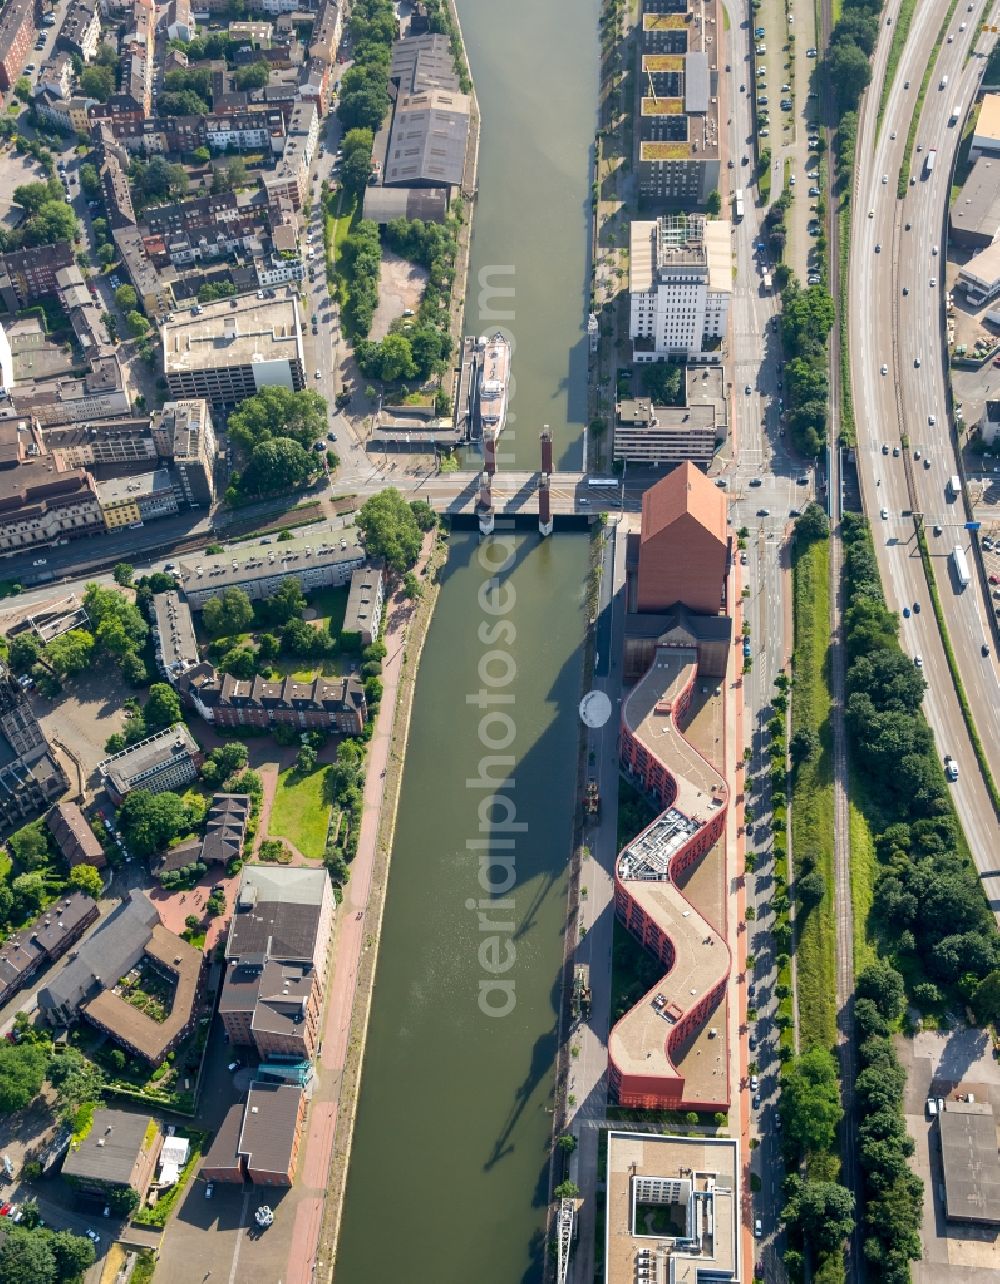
(176, 645)
(673, 1210)
(24, 953)
(168, 760)
(364, 603)
(986, 134)
(141, 497)
(116, 441)
(322, 557)
(120, 1150)
(971, 1162)
(183, 432)
(428, 140)
(259, 1142)
(980, 276)
(282, 912)
(664, 435)
(678, 148)
(975, 215)
(228, 350)
(76, 841)
(680, 285)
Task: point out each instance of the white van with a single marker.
(944, 83)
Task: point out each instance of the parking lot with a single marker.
(948, 1065)
(15, 170)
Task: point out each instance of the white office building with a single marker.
(680, 281)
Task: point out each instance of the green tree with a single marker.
(22, 89)
(97, 82)
(567, 1143)
(357, 163)
(227, 613)
(881, 983)
(22, 1071)
(29, 892)
(850, 71)
(73, 1254)
(567, 1190)
(275, 466)
(391, 530)
(26, 1258)
(240, 661)
(713, 206)
(30, 845)
(305, 761)
(70, 653)
(24, 652)
(813, 524)
(663, 381)
(163, 708)
(85, 878)
(90, 183)
(278, 412)
(123, 572)
(822, 1210)
(224, 762)
(137, 324)
(106, 254)
(123, 1200)
(253, 76)
(126, 298)
(149, 822)
(986, 1000)
(810, 1100)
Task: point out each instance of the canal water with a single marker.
(449, 1168)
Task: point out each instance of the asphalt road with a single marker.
(892, 330)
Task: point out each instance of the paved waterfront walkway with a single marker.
(353, 936)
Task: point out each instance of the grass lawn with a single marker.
(300, 812)
(812, 794)
(899, 35)
(864, 866)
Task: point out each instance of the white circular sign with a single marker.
(595, 709)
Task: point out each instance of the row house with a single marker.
(25, 953)
(326, 32)
(323, 704)
(275, 269)
(17, 34)
(80, 32)
(252, 130)
(69, 114)
(30, 274)
(316, 83)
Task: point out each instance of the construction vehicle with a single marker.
(592, 802)
(581, 992)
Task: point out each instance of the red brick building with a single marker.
(683, 550)
(259, 1142)
(17, 33)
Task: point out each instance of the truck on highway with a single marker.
(954, 487)
(929, 161)
(961, 566)
(738, 205)
(956, 113)
(767, 282)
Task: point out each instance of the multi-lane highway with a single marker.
(897, 368)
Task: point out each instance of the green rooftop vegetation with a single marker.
(664, 151)
(662, 107)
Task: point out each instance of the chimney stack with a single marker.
(544, 494)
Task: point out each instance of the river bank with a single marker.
(414, 636)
